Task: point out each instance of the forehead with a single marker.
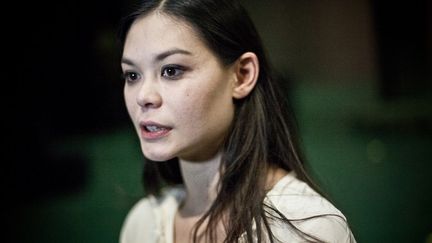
(157, 32)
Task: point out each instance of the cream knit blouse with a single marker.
(151, 220)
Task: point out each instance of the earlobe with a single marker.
(246, 71)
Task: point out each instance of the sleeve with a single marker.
(328, 228)
(325, 228)
(140, 224)
(311, 214)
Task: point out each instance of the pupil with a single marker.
(171, 71)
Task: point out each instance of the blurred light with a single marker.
(429, 238)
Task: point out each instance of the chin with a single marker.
(157, 157)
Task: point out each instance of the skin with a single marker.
(194, 101)
(173, 79)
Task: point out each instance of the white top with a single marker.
(151, 220)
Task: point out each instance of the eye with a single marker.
(131, 77)
(172, 71)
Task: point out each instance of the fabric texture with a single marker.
(151, 220)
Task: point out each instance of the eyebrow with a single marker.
(159, 57)
(168, 53)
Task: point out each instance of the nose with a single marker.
(149, 96)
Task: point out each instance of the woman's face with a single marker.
(178, 94)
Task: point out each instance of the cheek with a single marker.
(202, 107)
(130, 102)
(189, 107)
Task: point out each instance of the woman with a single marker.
(224, 165)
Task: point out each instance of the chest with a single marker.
(184, 228)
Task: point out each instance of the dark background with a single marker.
(360, 79)
(63, 79)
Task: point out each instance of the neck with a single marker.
(201, 180)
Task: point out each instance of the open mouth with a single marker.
(154, 128)
(154, 131)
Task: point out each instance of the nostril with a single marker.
(149, 105)
(150, 100)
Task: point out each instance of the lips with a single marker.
(152, 130)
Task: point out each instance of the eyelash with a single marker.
(179, 70)
(130, 77)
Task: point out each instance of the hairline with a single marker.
(161, 10)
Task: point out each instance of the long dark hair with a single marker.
(262, 135)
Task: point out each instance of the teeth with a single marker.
(153, 128)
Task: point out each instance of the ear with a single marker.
(246, 74)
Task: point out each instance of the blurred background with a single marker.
(358, 74)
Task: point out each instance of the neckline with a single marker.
(282, 182)
(174, 198)
(177, 194)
